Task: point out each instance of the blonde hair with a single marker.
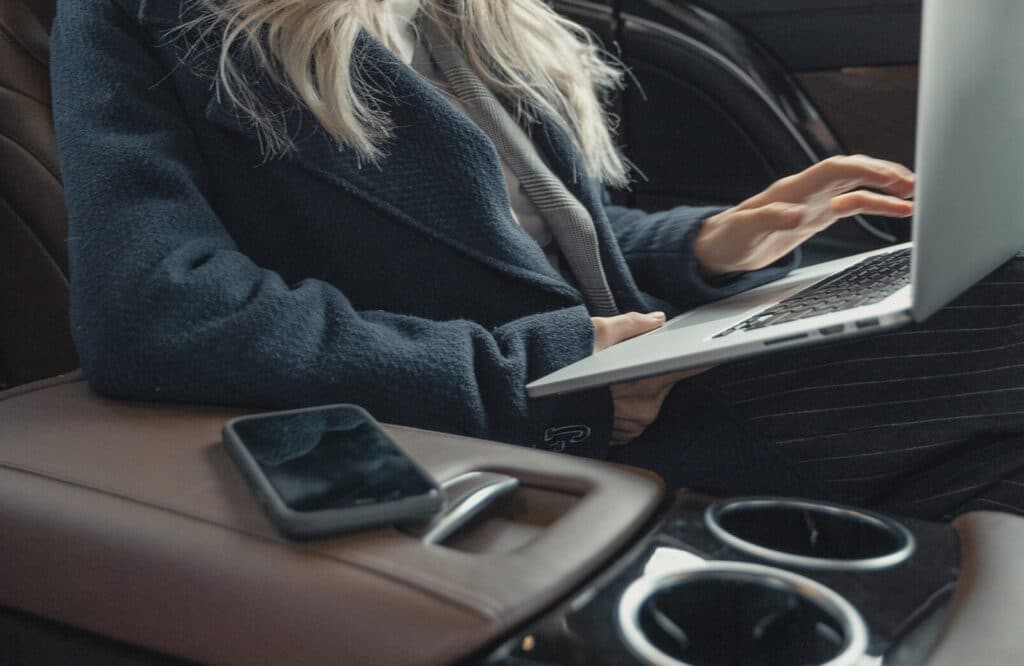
(537, 62)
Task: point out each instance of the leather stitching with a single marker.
(22, 93)
(6, 32)
(37, 236)
(49, 166)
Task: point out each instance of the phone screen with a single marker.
(330, 459)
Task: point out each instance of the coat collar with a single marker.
(441, 174)
(552, 140)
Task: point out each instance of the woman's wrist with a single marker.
(706, 250)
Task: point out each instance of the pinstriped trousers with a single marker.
(927, 420)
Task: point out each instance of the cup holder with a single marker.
(810, 534)
(735, 613)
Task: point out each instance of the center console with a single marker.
(760, 580)
(128, 523)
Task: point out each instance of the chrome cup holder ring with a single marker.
(852, 630)
(895, 543)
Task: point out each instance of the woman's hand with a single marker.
(611, 330)
(768, 226)
(637, 404)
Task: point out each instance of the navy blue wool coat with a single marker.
(202, 272)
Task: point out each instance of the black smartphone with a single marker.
(325, 470)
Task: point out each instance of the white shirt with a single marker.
(414, 53)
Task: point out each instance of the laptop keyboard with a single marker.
(869, 281)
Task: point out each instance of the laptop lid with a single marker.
(969, 215)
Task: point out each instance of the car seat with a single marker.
(35, 339)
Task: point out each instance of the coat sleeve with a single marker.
(658, 248)
(166, 307)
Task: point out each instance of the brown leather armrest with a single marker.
(984, 623)
(129, 520)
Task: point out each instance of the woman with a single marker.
(269, 206)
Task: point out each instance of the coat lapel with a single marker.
(440, 174)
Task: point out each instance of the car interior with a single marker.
(129, 536)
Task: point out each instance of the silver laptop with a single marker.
(969, 219)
